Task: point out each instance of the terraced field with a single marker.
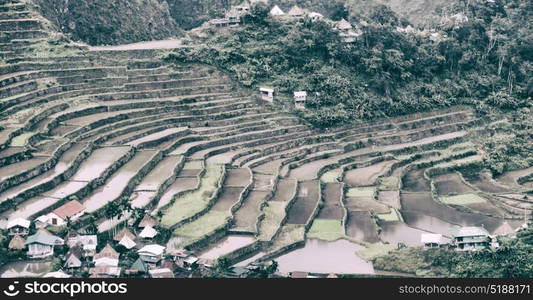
(189, 146)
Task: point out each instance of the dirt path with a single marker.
(163, 44)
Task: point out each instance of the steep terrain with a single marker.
(103, 22)
(128, 134)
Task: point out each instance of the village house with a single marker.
(107, 257)
(183, 258)
(17, 243)
(267, 94)
(18, 226)
(314, 16)
(161, 273)
(276, 11)
(105, 272)
(147, 221)
(471, 238)
(299, 99)
(433, 240)
(151, 253)
(88, 242)
(73, 259)
(232, 17)
(343, 25)
(42, 244)
(148, 233)
(137, 268)
(169, 264)
(127, 243)
(296, 12)
(71, 210)
(347, 32)
(189, 262)
(125, 238)
(125, 232)
(41, 221)
(57, 274)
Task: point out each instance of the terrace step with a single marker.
(13, 15)
(19, 24)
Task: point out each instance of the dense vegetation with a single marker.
(484, 60)
(513, 259)
(508, 141)
(479, 56)
(418, 12)
(110, 21)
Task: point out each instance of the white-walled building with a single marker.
(151, 253)
(72, 210)
(299, 99)
(267, 94)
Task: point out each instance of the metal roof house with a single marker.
(161, 273)
(299, 99)
(151, 253)
(71, 210)
(42, 244)
(267, 94)
(276, 11)
(471, 238)
(18, 226)
(148, 233)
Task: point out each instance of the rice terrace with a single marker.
(183, 158)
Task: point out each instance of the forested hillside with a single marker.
(102, 22)
(484, 60)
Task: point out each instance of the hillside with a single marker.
(401, 136)
(418, 12)
(102, 22)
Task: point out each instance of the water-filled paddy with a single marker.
(226, 245)
(337, 257)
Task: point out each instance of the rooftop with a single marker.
(18, 222)
(152, 249)
(69, 209)
(470, 231)
(44, 238)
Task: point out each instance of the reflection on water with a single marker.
(429, 223)
(25, 269)
(325, 257)
(398, 232)
(227, 245)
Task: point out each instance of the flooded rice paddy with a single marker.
(316, 256)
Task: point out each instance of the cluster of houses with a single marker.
(42, 243)
(233, 18)
(156, 261)
(81, 249)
